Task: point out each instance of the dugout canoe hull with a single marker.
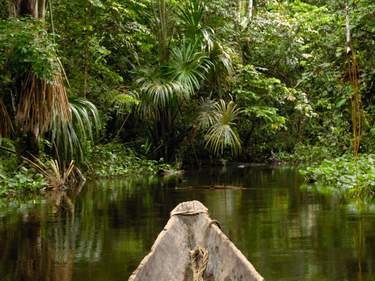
(188, 227)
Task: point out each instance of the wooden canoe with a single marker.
(193, 248)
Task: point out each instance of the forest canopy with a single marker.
(186, 81)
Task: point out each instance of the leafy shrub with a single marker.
(117, 160)
(351, 177)
(13, 179)
(23, 180)
(305, 153)
(26, 42)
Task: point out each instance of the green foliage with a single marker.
(147, 65)
(346, 175)
(125, 103)
(23, 180)
(102, 44)
(26, 42)
(176, 81)
(270, 109)
(71, 140)
(219, 118)
(113, 159)
(4, 9)
(307, 154)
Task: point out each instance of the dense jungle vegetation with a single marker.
(110, 87)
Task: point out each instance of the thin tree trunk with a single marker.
(250, 9)
(42, 8)
(35, 8)
(163, 32)
(239, 7)
(347, 29)
(354, 80)
(86, 53)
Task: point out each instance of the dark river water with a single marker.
(102, 234)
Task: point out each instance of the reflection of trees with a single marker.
(27, 255)
(41, 245)
(114, 223)
(285, 232)
(47, 245)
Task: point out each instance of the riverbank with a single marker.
(323, 171)
(109, 160)
(350, 177)
(329, 171)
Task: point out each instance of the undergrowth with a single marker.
(114, 159)
(353, 178)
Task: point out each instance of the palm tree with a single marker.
(40, 93)
(218, 119)
(42, 108)
(184, 64)
(165, 87)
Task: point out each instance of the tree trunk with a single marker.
(354, 81)
(34, 8)
(42, 8)
(239, 10)
(250, 9)
(163, 32)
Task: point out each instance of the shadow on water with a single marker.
(104, 232)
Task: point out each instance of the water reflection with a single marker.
(287, 234)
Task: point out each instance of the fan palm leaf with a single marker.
(70, 138)
(191, 14)
(163, 87)
(205, 113)
(191, 17)
(221, 132)
(161, 92)
(188, 66)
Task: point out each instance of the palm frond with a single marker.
(40, 102)
(57, 176)
(208, 38)
(191, 15)
(188, 66)
(224, 56)
(191, 12)
(162, 92)
(163, 87)
(222, 133)
(157, 87)
(205, 113)
(70, 138)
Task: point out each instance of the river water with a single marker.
(102, 234)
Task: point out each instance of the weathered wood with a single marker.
(188, 228)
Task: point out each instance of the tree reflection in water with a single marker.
(104, 232)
